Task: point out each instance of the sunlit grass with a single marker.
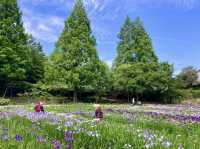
(116, 131)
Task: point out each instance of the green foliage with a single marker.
(13, 47)
(35, 70)
(4, 101)
(134, 44)
(21, 58)
(35, 94)
(195, 93)
(140, 78)
(189, 76)
(101, 79)
(75, 64)
(174, 93)
(136, 69)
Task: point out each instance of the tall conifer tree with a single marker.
(35, 70)
(75, 52)
(134, 44)
(136, 67)
(125, 47)
(13, 44)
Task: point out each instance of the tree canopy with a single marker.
(16, 53)
(136, 69)
(75, 56)
(134, 44)
(189, 76)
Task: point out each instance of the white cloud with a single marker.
(57, 21)
(92, 3)
(43, 27)
(27, 26)
(40, 32)
(45, 2)
(186, 3)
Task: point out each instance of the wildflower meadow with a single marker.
(123, 126)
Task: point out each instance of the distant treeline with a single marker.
(75, 70)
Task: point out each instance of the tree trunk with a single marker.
(98, 99)
(5, 93)
(128, 98)
(137, 98)
(75, 96)
(11, 92)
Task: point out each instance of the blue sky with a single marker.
(173, 25)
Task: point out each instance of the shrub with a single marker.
(35, 94)
(4, 101)
(172, 96)
(196, 93)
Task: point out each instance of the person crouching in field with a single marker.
(98, 113)
(39, 107)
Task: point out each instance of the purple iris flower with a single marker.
(18, 137)
(40, 139)
(110, 110)
(180, 147)
(56, 144)
(68, 136)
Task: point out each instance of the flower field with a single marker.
(124, 126)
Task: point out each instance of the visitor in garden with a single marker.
(98, 113)
(39, 107)
(133, 101)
